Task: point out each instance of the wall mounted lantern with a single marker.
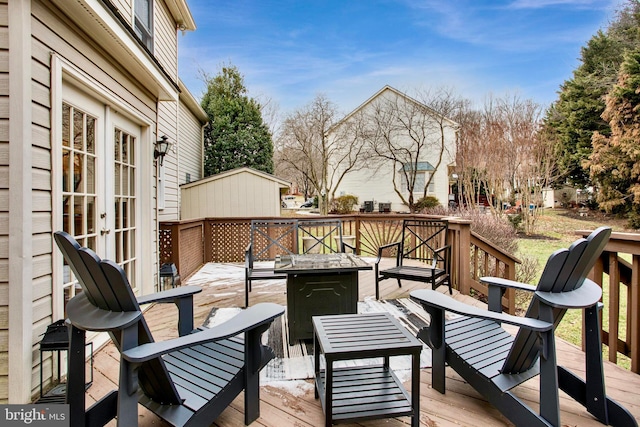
(162, 148)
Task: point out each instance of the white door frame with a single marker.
(62, 70)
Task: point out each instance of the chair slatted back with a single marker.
(106, 286)
(273, 237)
(565, 271)
(320, 234)
(421, 238)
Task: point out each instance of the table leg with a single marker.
(415, 389)
(328, 393)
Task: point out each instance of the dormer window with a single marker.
(144, 22)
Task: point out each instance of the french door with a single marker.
(99, 153)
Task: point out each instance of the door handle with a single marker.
(105, 231)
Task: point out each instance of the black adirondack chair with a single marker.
(494, 361)
(423, 240)
(187, 381)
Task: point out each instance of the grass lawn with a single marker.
(555, 230)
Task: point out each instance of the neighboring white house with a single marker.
(240, 192)
(375, 183)
(87, 87)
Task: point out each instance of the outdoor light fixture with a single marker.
(162, 147)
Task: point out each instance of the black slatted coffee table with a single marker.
(364, 392)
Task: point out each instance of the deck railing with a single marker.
(618, 272)
(189, 244)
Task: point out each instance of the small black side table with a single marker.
(366, 392)
(56, 338)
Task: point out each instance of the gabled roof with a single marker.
(187, 98)
(236, 171)
(181, 13)
(398, 93)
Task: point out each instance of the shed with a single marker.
(241, 192)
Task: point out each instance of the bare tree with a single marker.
(406, 131)
(307, 149)
(503, 151)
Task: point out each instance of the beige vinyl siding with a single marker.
(167, 117)
(41, 211)
(234, 194)
(4, 203)
(190, 145)
(52, 34)
(125, 8)
(165, 45)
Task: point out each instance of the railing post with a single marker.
(634, 303)
(208, 240)
(464, 256)
(357, 233)
(175, 244)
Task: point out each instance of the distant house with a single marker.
(241, 192)
(88, 87)
(563, 197)
(376, 182)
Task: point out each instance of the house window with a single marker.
(143, 22)
(423, 172)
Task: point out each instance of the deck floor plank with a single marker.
(281, 407)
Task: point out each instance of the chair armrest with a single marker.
(169, 295)
(84, 315)
(383, 247)
(428, 297)
(248, 257)
(246, 320)
(346, 245)
(585, 296)
(506, 283)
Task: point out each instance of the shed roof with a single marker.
(226, 174)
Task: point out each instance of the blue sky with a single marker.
(289, 51)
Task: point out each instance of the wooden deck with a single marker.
(289, 406)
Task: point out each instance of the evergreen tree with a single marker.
(236, 135)
(615, 161)
(576, 115)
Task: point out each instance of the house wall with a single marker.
(377, 185)
(4, 201)
(375, 182)
(185, 155)
(125, 7)
(49, 51)
(189, 146)
(54, 36)
(167, 126)
(165, 47)
(239, 195)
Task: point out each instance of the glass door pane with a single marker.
(124, 176)
(78, 183)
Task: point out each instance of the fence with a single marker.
(189, 244)
(618, 272)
